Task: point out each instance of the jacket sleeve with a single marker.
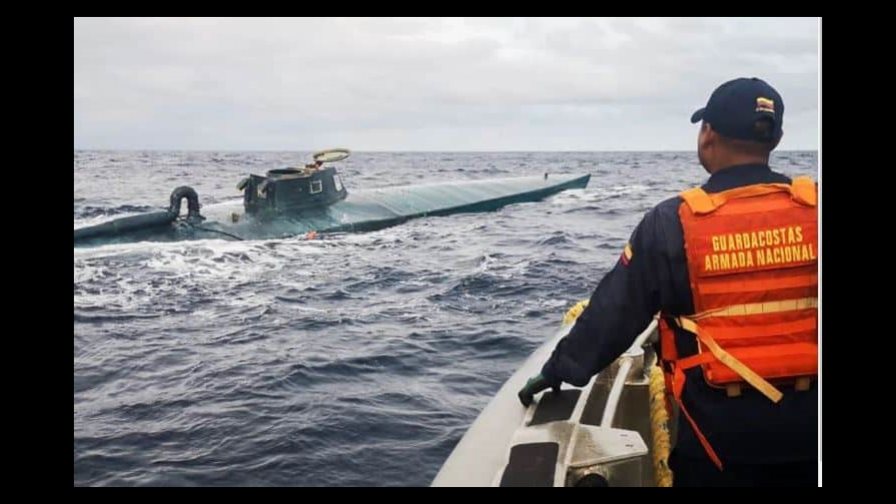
(621, 306)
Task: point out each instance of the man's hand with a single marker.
(534, 386)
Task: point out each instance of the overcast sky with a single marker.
(431, 84)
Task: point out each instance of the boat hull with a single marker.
(603, 434)
(365, 210)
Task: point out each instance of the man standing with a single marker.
(732, 269)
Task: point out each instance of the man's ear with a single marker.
(708, 136)
(775, 145)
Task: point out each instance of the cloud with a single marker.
(427, 84)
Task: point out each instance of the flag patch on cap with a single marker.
(765, 105)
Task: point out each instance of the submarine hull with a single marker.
(363, 210)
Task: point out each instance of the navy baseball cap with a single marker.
(735, 106)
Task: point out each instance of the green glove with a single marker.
(535, 385)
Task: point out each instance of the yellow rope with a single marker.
(574, 312)
(659, 425)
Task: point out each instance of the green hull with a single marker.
(363, 210)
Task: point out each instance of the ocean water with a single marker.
(351, 360)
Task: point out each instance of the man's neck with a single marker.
(740, 160)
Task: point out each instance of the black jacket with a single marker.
(746, 429)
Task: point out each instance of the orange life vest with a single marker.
(753, 267)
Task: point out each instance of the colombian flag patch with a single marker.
(626, 254)
(765, 105)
